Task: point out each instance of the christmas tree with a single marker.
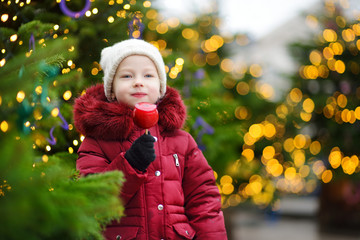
(42, 196)
(326, 109)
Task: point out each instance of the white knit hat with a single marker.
(112, 56)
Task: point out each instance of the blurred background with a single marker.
(273, 101)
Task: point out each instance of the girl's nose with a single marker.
(138, 82)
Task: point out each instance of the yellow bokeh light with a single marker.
(326, 176)
(94, 71)
(269, 130)
(188, 33)
(37, 114)
(256, 70)
(357, 113)
(348, 35)
(256, 131)
(20, 96)
(340, 66)
(4, 126)
(328, 53)
(315, 57)
(111, 19)
(329, 111)
(55, 112)
(227, 65)
(310, 72)
(268, 152)
(290, 173)
(289, 145)
(323, 71)
(299, 141)
(45, 158)
(179, 61)
(38, 90)
(242, 113)
(4, 17)
(308, 105)
(331, 64)
(147, 4)
(305, 116)
(67, 95)
(227, 189)
(248, 154)
(315, 147)
(329, 35)
(2, 62)
(228, 82)
(356, 28)
(282, 111)
(71, 150)
(162, 28)
(349, 164)
(215, 173)
(335, 159)
(212, 58)
(299, 158)
(266, 91)
(304, 171)
(341, 21)
(151, 14)
(13, 37)
(337, 48)
(242, 88)
(225, 179)
(199, 60)
(273, 167)
(342, 101)
(295, 95)
(249, 140)
(253, 188)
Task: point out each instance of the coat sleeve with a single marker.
(91, 159)
(202, 197)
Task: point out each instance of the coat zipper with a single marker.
(176, 160)
(177, 164)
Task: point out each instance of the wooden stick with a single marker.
(147, 131)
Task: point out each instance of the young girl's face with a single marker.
(136, 80)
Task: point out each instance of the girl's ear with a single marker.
(113, 98)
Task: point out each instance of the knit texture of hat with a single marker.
(112, 56)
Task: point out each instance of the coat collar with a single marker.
(95, 116)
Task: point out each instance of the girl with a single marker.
(170, 190)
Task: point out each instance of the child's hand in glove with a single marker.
(141, 152)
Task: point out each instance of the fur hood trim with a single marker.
(95, 116)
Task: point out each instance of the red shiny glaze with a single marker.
(145, 115)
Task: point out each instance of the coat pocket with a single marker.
(184, 230)
(121, 233)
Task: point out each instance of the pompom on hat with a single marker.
(112, 56)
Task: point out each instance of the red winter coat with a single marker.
(176, 198)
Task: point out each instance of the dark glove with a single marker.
(141, 152)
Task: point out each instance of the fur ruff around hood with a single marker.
(96, 117)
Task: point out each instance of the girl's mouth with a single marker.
(138, 95)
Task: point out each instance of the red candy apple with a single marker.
(145, 115)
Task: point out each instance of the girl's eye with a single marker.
(149, 75)
(126, 76)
